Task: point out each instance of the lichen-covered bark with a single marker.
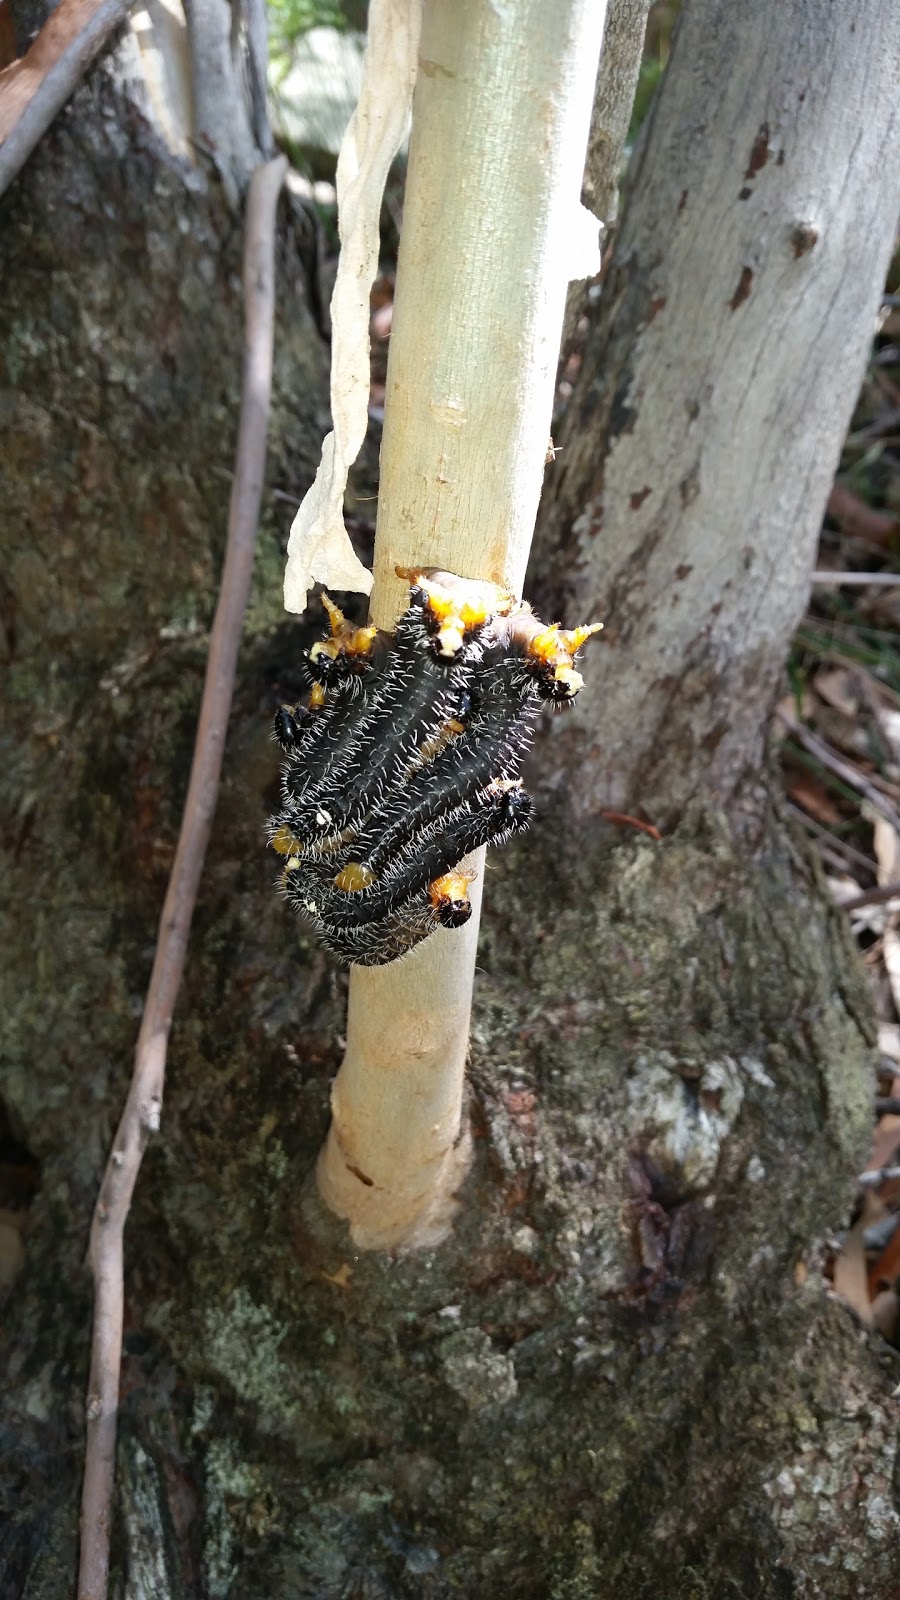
(622, 1374)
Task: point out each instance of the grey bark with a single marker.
(717, 384)
(622, 1375)
(620, 64)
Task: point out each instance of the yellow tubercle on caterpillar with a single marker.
(406, 756)
(574, 638)
(354, 877)
(285, 842)
(571, 680)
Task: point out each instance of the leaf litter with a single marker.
(838, 735)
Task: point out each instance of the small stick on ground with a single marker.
(143, 1106)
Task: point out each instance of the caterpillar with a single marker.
(406, 757)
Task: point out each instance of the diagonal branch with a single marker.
(143, 1106)
(35, 89)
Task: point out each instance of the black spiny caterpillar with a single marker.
(406, 757)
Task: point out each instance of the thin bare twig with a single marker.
(623, 820)
(841, 769)
(143, 1106)
(861, 580)
(872, 897)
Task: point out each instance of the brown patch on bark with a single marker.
(682, 571)
(746, 192)
(759, 155)
(682, 202)
(713, 739)
(803, 238)
(656, 307)
(637, 499)
(742, 292)
(689, 487)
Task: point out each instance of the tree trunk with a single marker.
(621, 1374)
(716, 388)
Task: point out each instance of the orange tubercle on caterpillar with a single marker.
(354, 877)
(460, 603)
(574, 638)
(406, 756)
(346, 639)
(450, 897)
(453, 886)
(556, 647)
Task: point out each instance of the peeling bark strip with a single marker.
(734, 403)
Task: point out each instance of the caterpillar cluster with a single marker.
(406, 757)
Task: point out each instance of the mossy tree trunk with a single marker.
(621, 1374)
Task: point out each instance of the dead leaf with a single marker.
(885, 1307)
(890, 949)
(341, 1278)
(850, 1280)
(853, 516)
(890, 726)
(886, 844)
(889, 1039)
(885, 1271)
(837, 687)
(807, 792)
